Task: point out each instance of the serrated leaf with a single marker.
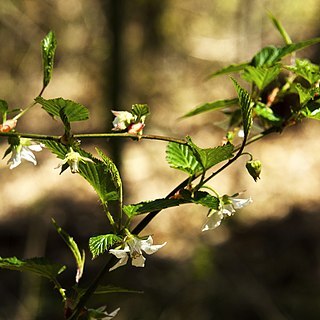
(210, 106)
(114, 173)
(304, 94)
(72, 110)
(205, 199)
(307, 70)
(311, 110)
(281, 29)
(266, 113)
(100, 244)
(271, 54)
(149, 206)
(140, 111)
(209, 157)
(39, 266)
(48, 48)
(180, 156)
(59, 149)
(261, 76)
(229, 69)
(79, 256)
(246, 107)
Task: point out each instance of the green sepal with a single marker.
(72, 111)
(211, 106)
(79, 256)
(254, 169)
(100, 244)
(48, 48)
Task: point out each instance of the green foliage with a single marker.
(112, 289)
(140, 111)
(71, 110)
(280, 28)
(100, 244)
(39, 266)
(261, 76)
(193, 160)
(229, 69)
(246, 107)
(210, 106)
(79, 256)
(307, 70)
(48, 46)
(205, 199)
(266, 113)
(153, 205)
(3, 109)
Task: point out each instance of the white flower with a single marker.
(23, 151)
(228, 207)
(133, 247)
(136, 128)
(122, 120)
(73, 158)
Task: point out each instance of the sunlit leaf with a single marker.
(266, 113)
(229, 69)
(48, 46)
(206, 200)
(261, 76)
(307, 70)
(210, 106)
(72, 110)
(246, 107)
(140, 110)
(79, 256)
(304, 94)
(149, 206)
(100, 244)
(281, 29)
(39, 266)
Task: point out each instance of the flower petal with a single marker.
(240, 203)
(213, 221)
(123, 258)
(138, 261)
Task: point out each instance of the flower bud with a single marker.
(254, 169)
(8, 125)
(136, 128)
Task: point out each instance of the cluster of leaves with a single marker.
(281, 94)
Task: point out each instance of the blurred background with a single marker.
(264, 263)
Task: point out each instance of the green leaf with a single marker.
(211, 156)
(48, 46)
(3, 108)
(79, 256)
(114, 173)
(261, 76)
(102, 243)
(210, 106)
(270, 54)
(307, 70)
(59, 149)
(312, 110)
(140, 111)
(205, 199)
(246, 107)
(180, 156)
(39, 266)
(229, 69)
(304, 94)
(266, 113)
(149, 206)
(112, 289)
(281, 29)
(72, 110)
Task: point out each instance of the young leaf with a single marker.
(210, 106)
(180, 156)
(3, 108)
(229, 69)
(79, 257)
(140, 110)
(281, 29)
(48, 46)
(102, 243)
(211, 156)
(261, 76)
(59, 149)
(72, 110)
(206, 200)
(246, 107)
(307, 70)
(304, 94)
(266, 113)
(39, 266)
(149, 206)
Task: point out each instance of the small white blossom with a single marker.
(73, 158)
(122, 120)
(228, 207)
(133, 247)
(23, 151)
